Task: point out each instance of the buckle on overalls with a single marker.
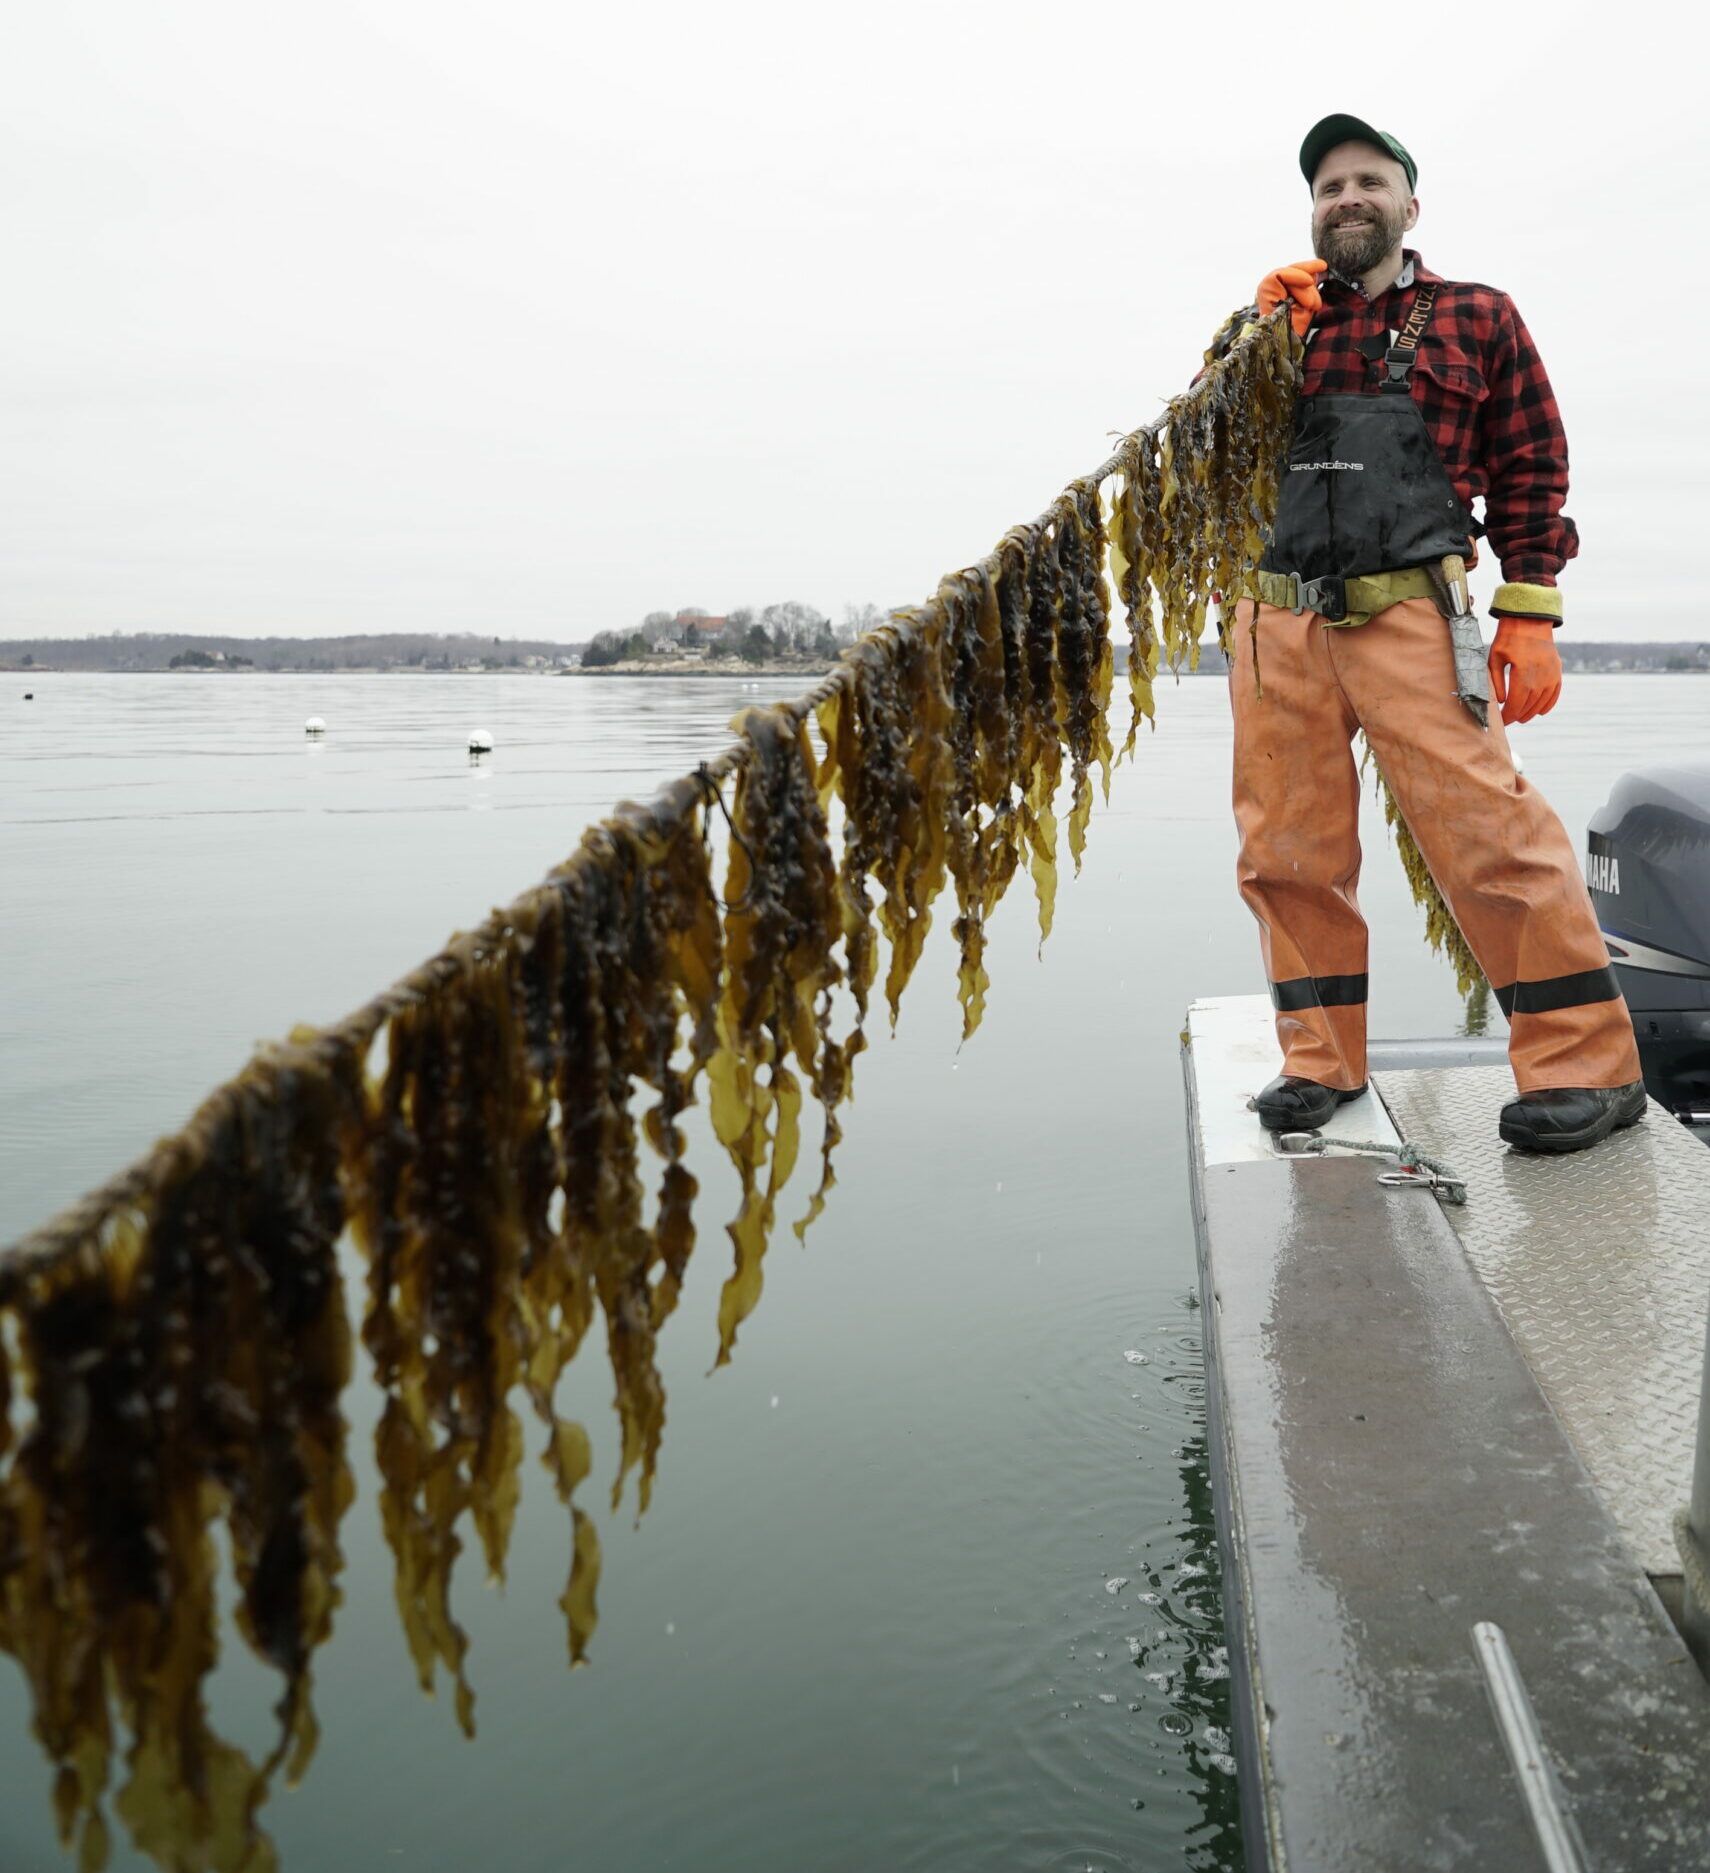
(1328, 597)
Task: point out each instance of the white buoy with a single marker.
(480, 742)
(314, 726)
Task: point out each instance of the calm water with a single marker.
(872, 1619)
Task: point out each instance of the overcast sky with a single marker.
(527, 319)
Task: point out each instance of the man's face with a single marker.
(1361, 207)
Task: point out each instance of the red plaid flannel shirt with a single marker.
(1481, 388)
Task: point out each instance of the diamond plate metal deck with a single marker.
(1599, 1263)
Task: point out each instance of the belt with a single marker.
(1342, 602)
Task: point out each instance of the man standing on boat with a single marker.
(1420, 394)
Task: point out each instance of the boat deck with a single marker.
(1426, 1421)
(1599, 1264)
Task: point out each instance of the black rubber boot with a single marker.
(1568, 1118)
(1291, 1104)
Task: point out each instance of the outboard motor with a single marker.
(1648, 866)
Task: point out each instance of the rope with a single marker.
(1416, 1162)
(79, 1225)
(1411, 1159)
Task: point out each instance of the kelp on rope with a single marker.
(173, 1348)
(1441, 931)
(1192, 497)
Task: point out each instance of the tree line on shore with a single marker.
(178, 650)
(788, 629)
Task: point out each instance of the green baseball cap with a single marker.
(1324, 135)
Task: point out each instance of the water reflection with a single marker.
(1203, 1692)
(1184, 1660)
(1475, 1009)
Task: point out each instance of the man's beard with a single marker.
(1353, 249)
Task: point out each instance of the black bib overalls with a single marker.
(1365, 490)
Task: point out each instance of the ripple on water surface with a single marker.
(1114, 1688)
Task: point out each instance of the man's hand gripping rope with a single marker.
(1298, 283)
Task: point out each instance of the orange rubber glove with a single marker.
(1299, 283)
(1525, 668)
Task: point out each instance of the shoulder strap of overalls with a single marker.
(1398, 360)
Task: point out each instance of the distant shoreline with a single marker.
(724, 667)
(1590, 659)
(695, 674)
(694, 670)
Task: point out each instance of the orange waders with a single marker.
(1497, 851)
